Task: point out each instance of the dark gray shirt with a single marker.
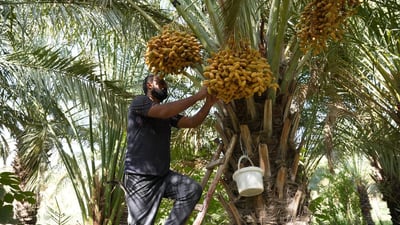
(148, 139)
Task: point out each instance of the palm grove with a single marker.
(330, 91)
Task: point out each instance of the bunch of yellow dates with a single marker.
(172, 51)
(236, 72)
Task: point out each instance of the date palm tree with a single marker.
(379, 88)
(269, 129)
(369, 122)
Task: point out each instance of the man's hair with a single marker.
(147, 79)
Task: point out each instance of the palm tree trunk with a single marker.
(365, 204)
(25, 212)
(267, 135)
(285, 197)
(390, 191)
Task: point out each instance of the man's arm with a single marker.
(198, 118)
(167, 110)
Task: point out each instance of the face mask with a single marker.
(160, 94)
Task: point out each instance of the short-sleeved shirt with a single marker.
(148, 139)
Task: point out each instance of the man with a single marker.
(148, 177)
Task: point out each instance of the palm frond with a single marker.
(4, 148)
(198, 23)
(240, 19)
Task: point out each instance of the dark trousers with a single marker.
(144, 194)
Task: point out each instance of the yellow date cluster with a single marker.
(324, 20)
(235, 73)
(172, 51)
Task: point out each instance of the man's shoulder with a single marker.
(141, 98)
(141, 104)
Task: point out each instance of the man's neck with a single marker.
(154, 99)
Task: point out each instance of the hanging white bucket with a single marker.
(249, 180)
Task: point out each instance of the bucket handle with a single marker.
(242, 157)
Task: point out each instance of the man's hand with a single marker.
(211, 99)
(202, 93)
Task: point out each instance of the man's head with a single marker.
(156, 87)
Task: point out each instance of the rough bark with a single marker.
(390, 190)
(365, 204)
(25, 212)
(285, 198)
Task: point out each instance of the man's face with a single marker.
(160, 83)
(159, 89)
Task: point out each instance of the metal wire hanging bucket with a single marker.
(249, 180)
